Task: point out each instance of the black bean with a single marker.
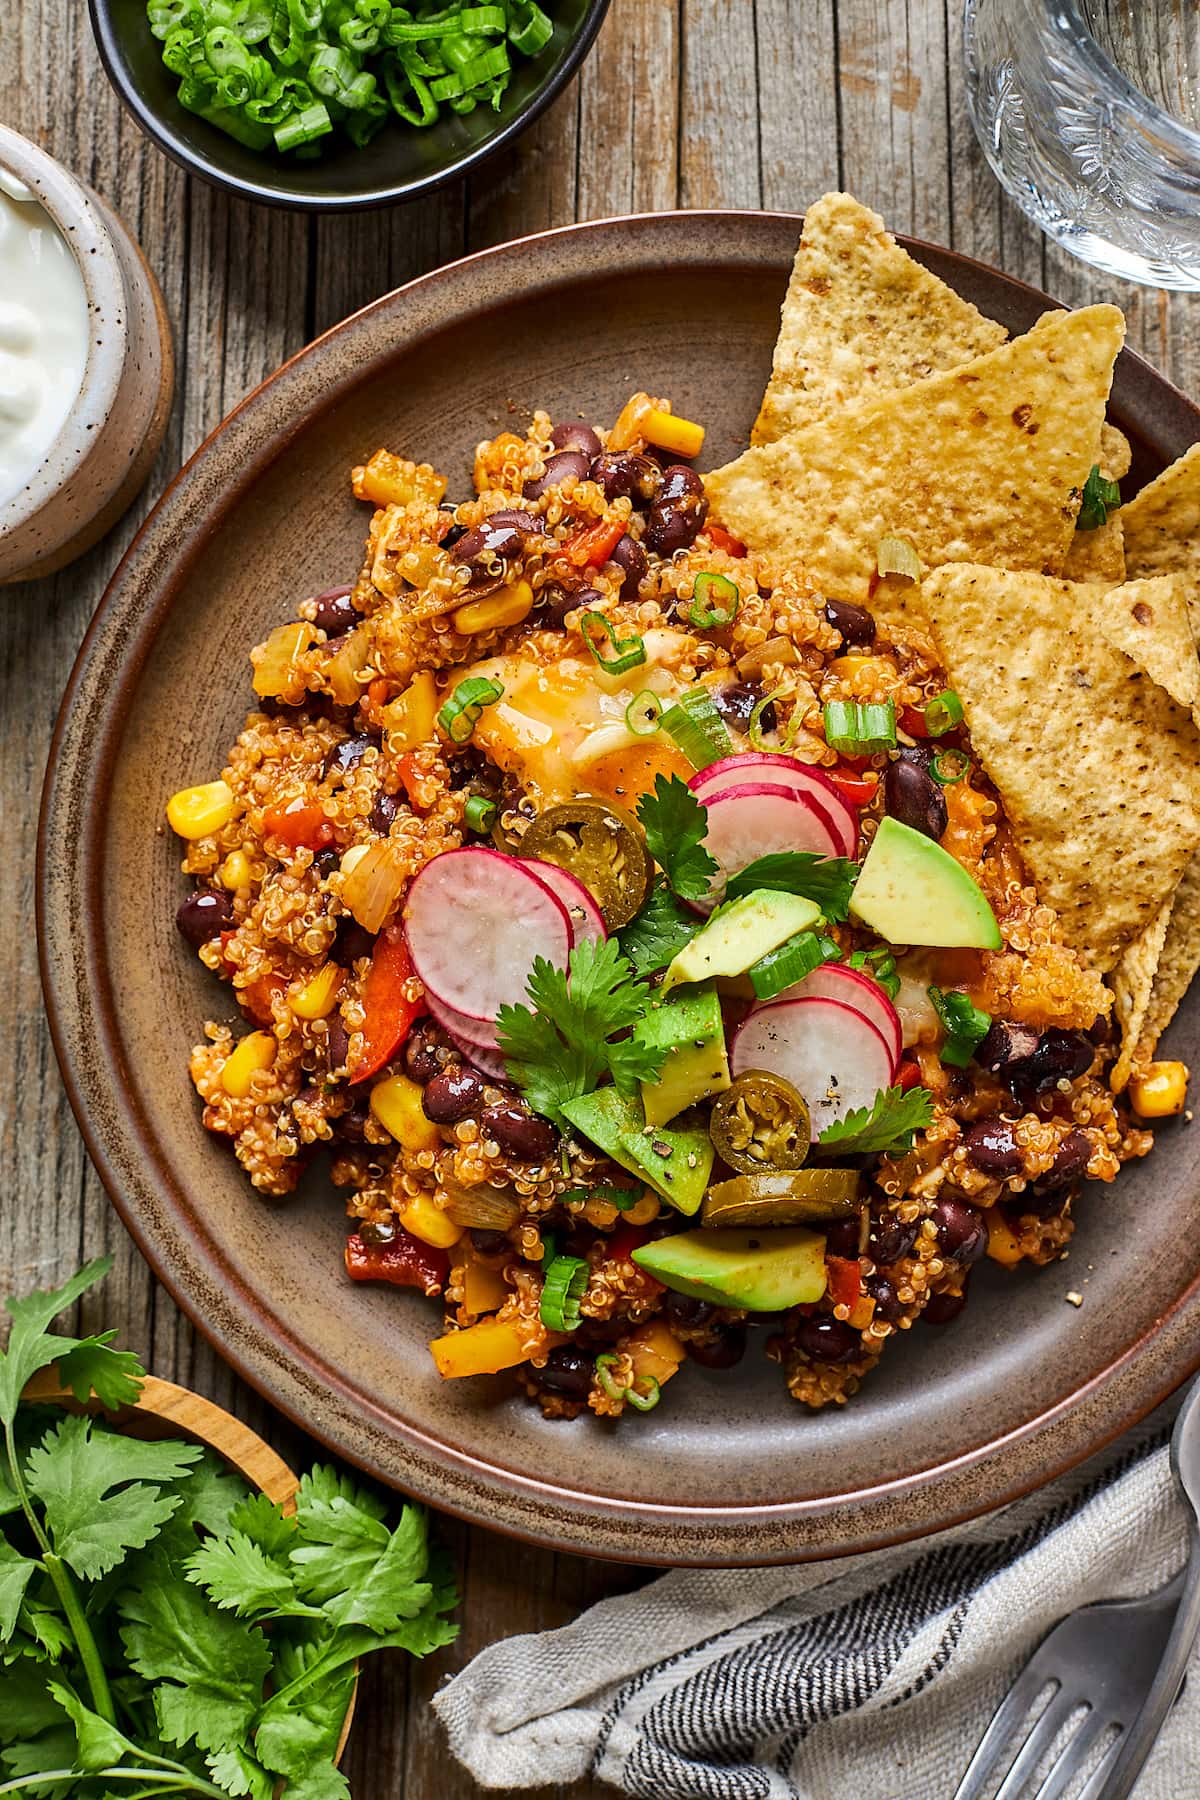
(488, 1243)
(204, 914)
(337, 1043)
(351, 942)
(855, 623)
(567, 465)
(352, 1126)
(827, 1340)
(624, 473)
(519, 1132)
(455, 535)
(961, 1233)
(1006, 1042)
(325, 862)
(736, 703)
(722, 1352)
(630, 556)
(992, 1148)
(347, 755)
(383, 812)
(499, 537)
(940, 1309)
(568, 1372)
(679, 512)
(335, 612)
(891, 1239)
(1060, 1056)
(915, 798)
(452, 1094)
(553, 605)
(420, 1054)
(842, 1237)
(887, 1302)
(575, 435)
(1070, 1162)
(683, 1309)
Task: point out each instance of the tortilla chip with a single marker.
(1097, 556)
(860, 315)
(1098, 768)
(1178, 963)
(1162, 523)
(984, 463)
(1115, 453)
(1149, 621)
(1132, 982)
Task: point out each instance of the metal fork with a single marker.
(1118, 1663)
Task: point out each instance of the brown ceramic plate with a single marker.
(729, 1470)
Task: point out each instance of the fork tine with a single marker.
(1075, 1753)
(1098, 1776)
(1036, 1744)
(1007, 1716)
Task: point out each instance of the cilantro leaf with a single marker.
(261, 1521)
(212, 1494)
(97, 1742)
(350, 1564)
(238, 1773)
(559, 1048)
(825, 880)
(299, 1747)
(675, 824)
(31, 1347)
(16, 1572)
(26, 1706)
(238, 1577)
(890, 1123)
(114, 1376)
(661, 929)
(53, 1749)
(95, 1489)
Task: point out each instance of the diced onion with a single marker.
(775, 650)
(374, 885)
(341, 671)
(896, 556)
(482, 1208)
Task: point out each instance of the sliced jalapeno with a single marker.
(601, 845)
(788, 1197)
(761, 1122)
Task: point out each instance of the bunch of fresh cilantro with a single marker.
(162, 1629)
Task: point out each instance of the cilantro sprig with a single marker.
(561, 1046)
(675, 824)
(658, 932)
(827, 881)
(889, 1124)
(136, 1580)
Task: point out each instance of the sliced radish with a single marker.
(782, 771)
(478, 1033)
(587, 921)
(745, 823)
(475, 920)
(488, 1062)
(830, 1053)
(835, 981)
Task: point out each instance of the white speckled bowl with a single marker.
(104, 450)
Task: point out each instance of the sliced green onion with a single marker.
(627, 652)
(549, 1248)
(856, 729)
(643, 715)
(622, 1198)
(964, 1024)
(564, 1286)
(530, 30)
(603, 1365)
(754, 730)
(303, 127)
(715, 601)
(480, 814)
(459, 716)
(644, 1402)
(943, 713)
(896, 556)
(790, 963)
(698, 728)
(949, 766)
(880, 964)
(1100, 497)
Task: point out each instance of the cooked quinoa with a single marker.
(345, 783)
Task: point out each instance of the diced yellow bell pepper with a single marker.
(630, 423)
(680, 436)
(654, 1351)
(255, 1052)
(1003, 1246)
(482, 1349)
(396, 1103)
(198, 812)
(424, 1218)
(235, 872)
(861, 1313)
(507, 606)
(317, 998)
(275, 674)
(410, 719)
(1160, 1090)
(484, 1288)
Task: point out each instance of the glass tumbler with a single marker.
(1109, 169)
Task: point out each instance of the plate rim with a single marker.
(964, 1485)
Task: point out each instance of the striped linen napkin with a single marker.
(868, 1678)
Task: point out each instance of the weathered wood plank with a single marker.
(718, 128)
(799, 123)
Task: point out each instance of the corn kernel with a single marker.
(508, 606)
(426, 1220)
(253, 1053)
(1160, 1090)
(1002, 1246)
(389, 480)
(410, 719)
(317, 997)
(680, 436)
(396, 1103)
(198, 812)
(849, 666)
(235, 872)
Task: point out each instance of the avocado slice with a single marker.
(911, 891)
(740, 934)
(764, 1271)
(676, 1161)
(690, 1030)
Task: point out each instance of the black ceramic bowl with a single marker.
(401, 162)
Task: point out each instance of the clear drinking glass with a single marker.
(1089, 113)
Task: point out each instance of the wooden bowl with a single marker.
(728, 1469)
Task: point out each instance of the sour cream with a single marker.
(43, 334)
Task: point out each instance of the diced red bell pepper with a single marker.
(845, 1279)
(389, 1015)
(913, 722)
(725, 540)
(258, 996)
(405, 1262)
(857, 789)
(300, 826)
(225, 937)
(909, 1075)
(594, 544)
(621, 1245)
(406, 768)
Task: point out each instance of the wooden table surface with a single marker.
(693, 103)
